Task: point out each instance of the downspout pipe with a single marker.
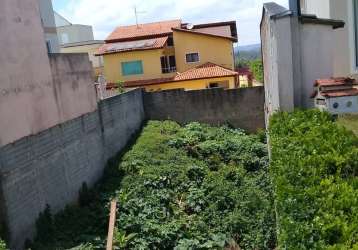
(295, 7)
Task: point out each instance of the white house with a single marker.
(336, 95)
(345, 39)
(49, 26)
(69, 33)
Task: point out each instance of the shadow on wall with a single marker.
(51, 166)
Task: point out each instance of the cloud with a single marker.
(105, 15)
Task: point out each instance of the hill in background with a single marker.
(248, 52)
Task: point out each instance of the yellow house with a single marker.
(171, 54)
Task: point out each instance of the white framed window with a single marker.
(192, 57)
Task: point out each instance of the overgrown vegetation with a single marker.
(314, 168)
(2, 245)
(350, 122)
(257, 70)
(196, 187)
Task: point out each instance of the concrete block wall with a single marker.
(50, 167)
(241, 108)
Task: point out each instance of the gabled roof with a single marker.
(146, 44)
(340, 93)
(197, 32)
(142, 31)
(205, 71)
(338, 81)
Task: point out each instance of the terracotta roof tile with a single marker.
(338, 81)
(207, 70)
(146, 44)
(340, 93)
(143, 30)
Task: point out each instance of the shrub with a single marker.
(2, 245)
(314, 168)
(192, 187)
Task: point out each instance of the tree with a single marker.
(256, 68)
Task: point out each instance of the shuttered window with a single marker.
(132, 68)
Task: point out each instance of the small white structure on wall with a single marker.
(336, 95)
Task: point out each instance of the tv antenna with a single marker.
(136, 12)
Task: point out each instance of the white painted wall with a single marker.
(317, 58)
(344, 39)
(75, 33)
(343, 107)
(320, 8)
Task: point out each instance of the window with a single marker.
(355, 7)
(222, 84)
(132, 68)
(192, 57)
(170, 42)
(321, 102)
(64, 38)
(213, 85)
(168, 64)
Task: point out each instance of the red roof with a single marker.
(338, 81)
(125, 33)
(207, 70)
(146, 44)
(340, 93)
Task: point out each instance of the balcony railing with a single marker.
(169, 70)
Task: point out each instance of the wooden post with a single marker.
(112, 220)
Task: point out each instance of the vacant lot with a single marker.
(192, 187)
(350, 122)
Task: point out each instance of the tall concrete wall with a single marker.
(50, 167)
(37, 93)
(242, 108)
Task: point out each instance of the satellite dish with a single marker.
(190, 26)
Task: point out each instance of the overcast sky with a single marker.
(105, 15)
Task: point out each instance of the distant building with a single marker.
(49, 26)
(336, 95)
(90, 47)
(78, 38)
(171, 55)
(72, 33)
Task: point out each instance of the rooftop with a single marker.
(207, 70)
(125, 33)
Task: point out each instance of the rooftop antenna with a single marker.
(136, 12)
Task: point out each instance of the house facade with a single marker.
(78, 38)
(345, 39)
(49, 26)
(336, 95)
(171, 54)
(72, 33)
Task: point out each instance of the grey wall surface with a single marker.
(50, 167)
(242, 108)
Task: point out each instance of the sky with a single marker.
(106, 15)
